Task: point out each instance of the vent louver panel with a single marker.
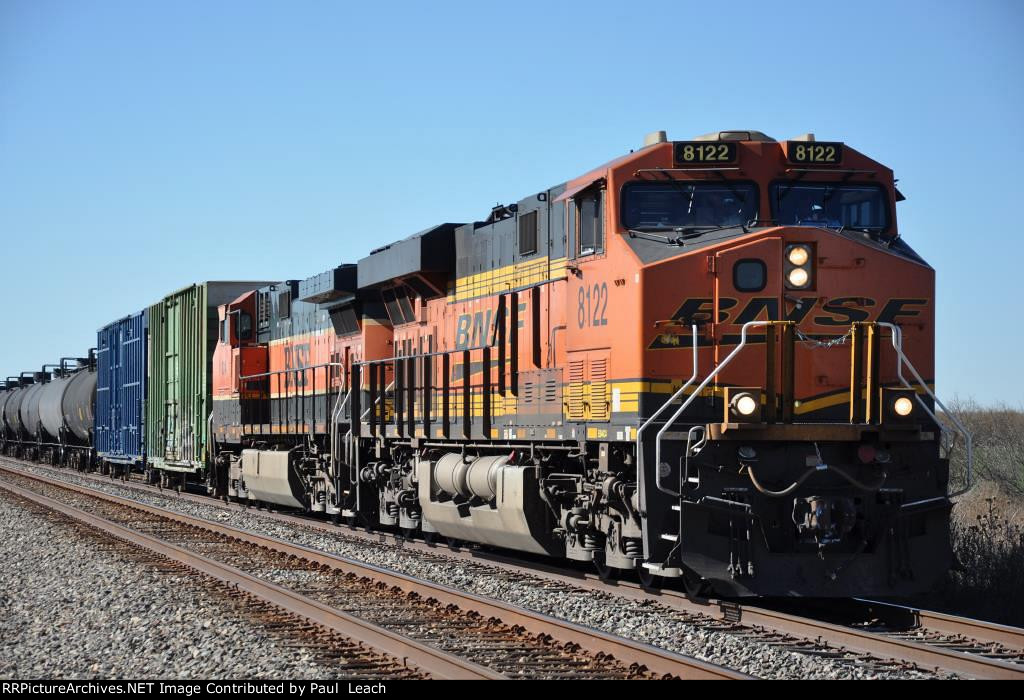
(577, 408)
(599, 405)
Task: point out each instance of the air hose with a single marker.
(807, 475)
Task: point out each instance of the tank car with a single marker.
(48, 415)
(706, 360)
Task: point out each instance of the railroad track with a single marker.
(332, 652)
(437, 630)
(864, 632)
(868, 634)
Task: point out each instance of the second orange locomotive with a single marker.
(709, 360)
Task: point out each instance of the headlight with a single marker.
(898, 404)
(798, 266)
(799, 255)
(903, 406)
(798, 277)
(742, 405)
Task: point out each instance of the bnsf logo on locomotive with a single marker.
(472, 330)
(822, 311)
(296, 357)
(840, 311)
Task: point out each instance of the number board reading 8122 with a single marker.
(814, 152)
(696, 152)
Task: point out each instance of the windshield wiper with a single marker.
(684, 232)
(692, 231)
(648, 236)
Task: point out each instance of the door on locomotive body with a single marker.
(748, 287)
(591, 332)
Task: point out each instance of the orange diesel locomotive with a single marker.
(708, 360)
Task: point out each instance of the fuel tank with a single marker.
(79, 404)
(269, 476)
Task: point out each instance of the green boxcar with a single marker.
(182, 338)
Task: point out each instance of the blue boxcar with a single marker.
(121, 354)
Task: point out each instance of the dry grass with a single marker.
(988, 579)
(998, 447)
(988, 521)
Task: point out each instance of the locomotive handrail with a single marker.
(700, 387)
(647, 423)
(902, 359)
(339, 407)
(302, 392)
(290, 369)
(376, 401)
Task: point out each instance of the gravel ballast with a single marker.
(73, 607)
(645, 621)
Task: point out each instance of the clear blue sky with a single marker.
(177, 141)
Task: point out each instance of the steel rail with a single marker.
(658, 661)
(981, 630)
(420, 656)
(924, 655)
(838, 635)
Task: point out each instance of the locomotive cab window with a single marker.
(244, 326)
(749, 275)
(590, 229)
(831, 204)
(648, 206)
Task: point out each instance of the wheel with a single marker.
(429, 537)
(409, 533)
(604, 572)
(695, 587)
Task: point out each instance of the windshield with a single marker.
(676, 204)
(830, 204)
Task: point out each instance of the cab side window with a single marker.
(244, 326)
(590, 218)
